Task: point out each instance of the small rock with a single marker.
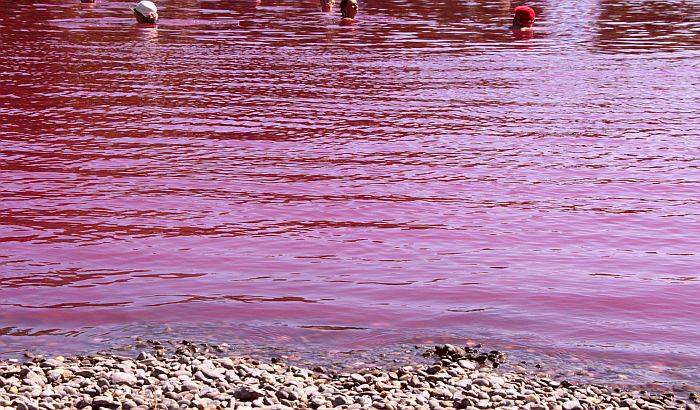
(189, 385)
(466, 364)
(103, 401)
(248, 393)
(210, 371)
(481, 382)
(123, 378)
(341, 401)
(391, 405)
(88, 374)
(145, 356)
(532, 398)
(227, 363)
(29, 377)
(317, 402)
(572, 405)
(358, 378)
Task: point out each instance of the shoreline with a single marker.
(650, 370)
(173, 375)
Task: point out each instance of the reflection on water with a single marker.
(422, 174)
(644, 26)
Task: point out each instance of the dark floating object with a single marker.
(454, 353)
(348, 11)
(327, 5)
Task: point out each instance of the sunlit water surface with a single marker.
(258, 173)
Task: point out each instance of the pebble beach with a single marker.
(186, 375)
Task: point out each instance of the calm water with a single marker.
(260, 172)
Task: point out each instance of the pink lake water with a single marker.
(257, 172)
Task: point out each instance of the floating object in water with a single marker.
(146, 12)
(523, 18)
(348, 10)
(327, 5)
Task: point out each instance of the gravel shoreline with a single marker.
(201, 376)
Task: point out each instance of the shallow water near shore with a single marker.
(259, 174)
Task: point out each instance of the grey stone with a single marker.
(341, 401)
(88, 374)
(31, 378)
(391, 405)
(358, 378)
(227, 363)
(481, 382)
(189, 385)
(129, 404)
(532, 398)
(210, 371)
(106, 402)
(55, 375)
(317, 402)
(248, 393)
(123, 378)
(572, 405)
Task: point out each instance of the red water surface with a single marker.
(260, 170)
